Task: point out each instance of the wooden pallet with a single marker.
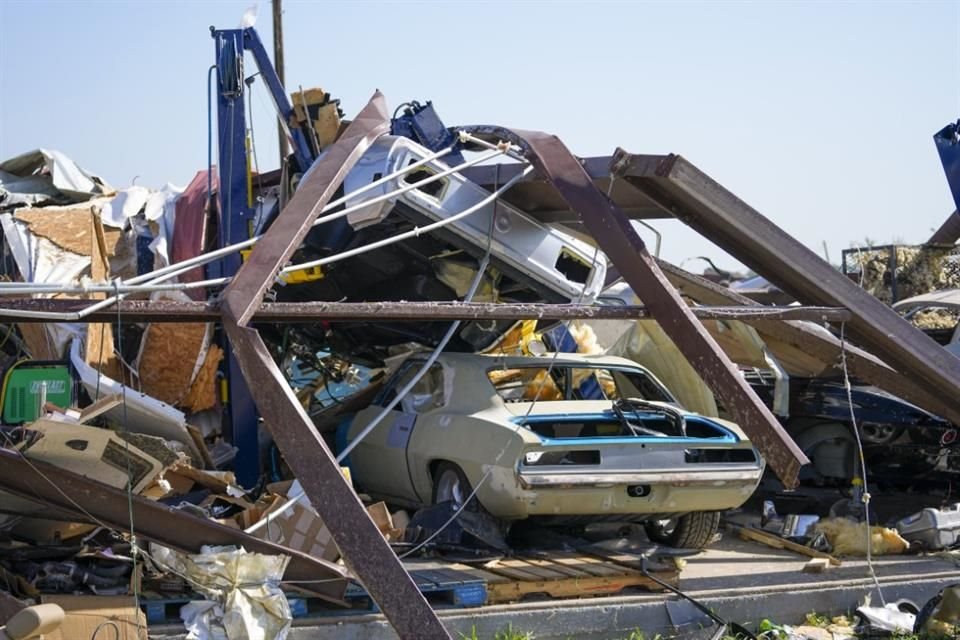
(563, 575)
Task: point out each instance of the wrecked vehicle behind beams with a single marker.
(903, 444)
(529, 261)
(603, 441)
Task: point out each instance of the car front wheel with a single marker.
(691, 531)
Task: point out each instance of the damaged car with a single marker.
(566, 439)
(529, 261)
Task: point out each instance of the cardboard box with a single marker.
(85, 614)
(299, 527)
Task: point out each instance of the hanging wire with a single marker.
(862, 460)
(125, 434)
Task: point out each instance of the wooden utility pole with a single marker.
(278, 63)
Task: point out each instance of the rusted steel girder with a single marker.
(949, 231)
(616, 237)
(160, 311)
(73, 493)
(704, 205)
(814, 341)
(363, 547)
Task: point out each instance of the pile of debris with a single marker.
(132, 406)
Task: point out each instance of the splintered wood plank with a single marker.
(589, 565)
(570, 572)
(568, 587)
(517, 571)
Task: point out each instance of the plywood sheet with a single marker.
(68, 228)
(38, 341)
(169, 359)
(203, 391)
(99, 352)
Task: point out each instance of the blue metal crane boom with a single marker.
(237, 208)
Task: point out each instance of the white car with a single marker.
(604, 440)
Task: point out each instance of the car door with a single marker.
(379, 463)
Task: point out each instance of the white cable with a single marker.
(343, 255)
(863, 462)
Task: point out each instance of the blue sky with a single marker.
(820, 115)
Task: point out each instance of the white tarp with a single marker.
(42, 177)
(246, 602)
(126, 204)
(161, 208)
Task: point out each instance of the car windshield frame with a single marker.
(568, 390)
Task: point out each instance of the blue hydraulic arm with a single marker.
(238, 209)
(948, 146)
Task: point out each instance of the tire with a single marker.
(691, 531)
(449, 484)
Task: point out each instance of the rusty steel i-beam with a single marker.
(173, 311)
(707, 207)
(616, 237)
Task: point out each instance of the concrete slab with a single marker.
(741, 581)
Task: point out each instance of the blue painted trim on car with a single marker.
(728, 436)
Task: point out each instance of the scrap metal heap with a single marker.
(177, 360)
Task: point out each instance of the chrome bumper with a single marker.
(714, 478)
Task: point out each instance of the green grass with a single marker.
(512, 634)
(507, 634)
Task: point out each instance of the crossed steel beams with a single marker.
(672, 185)
(359, 541)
